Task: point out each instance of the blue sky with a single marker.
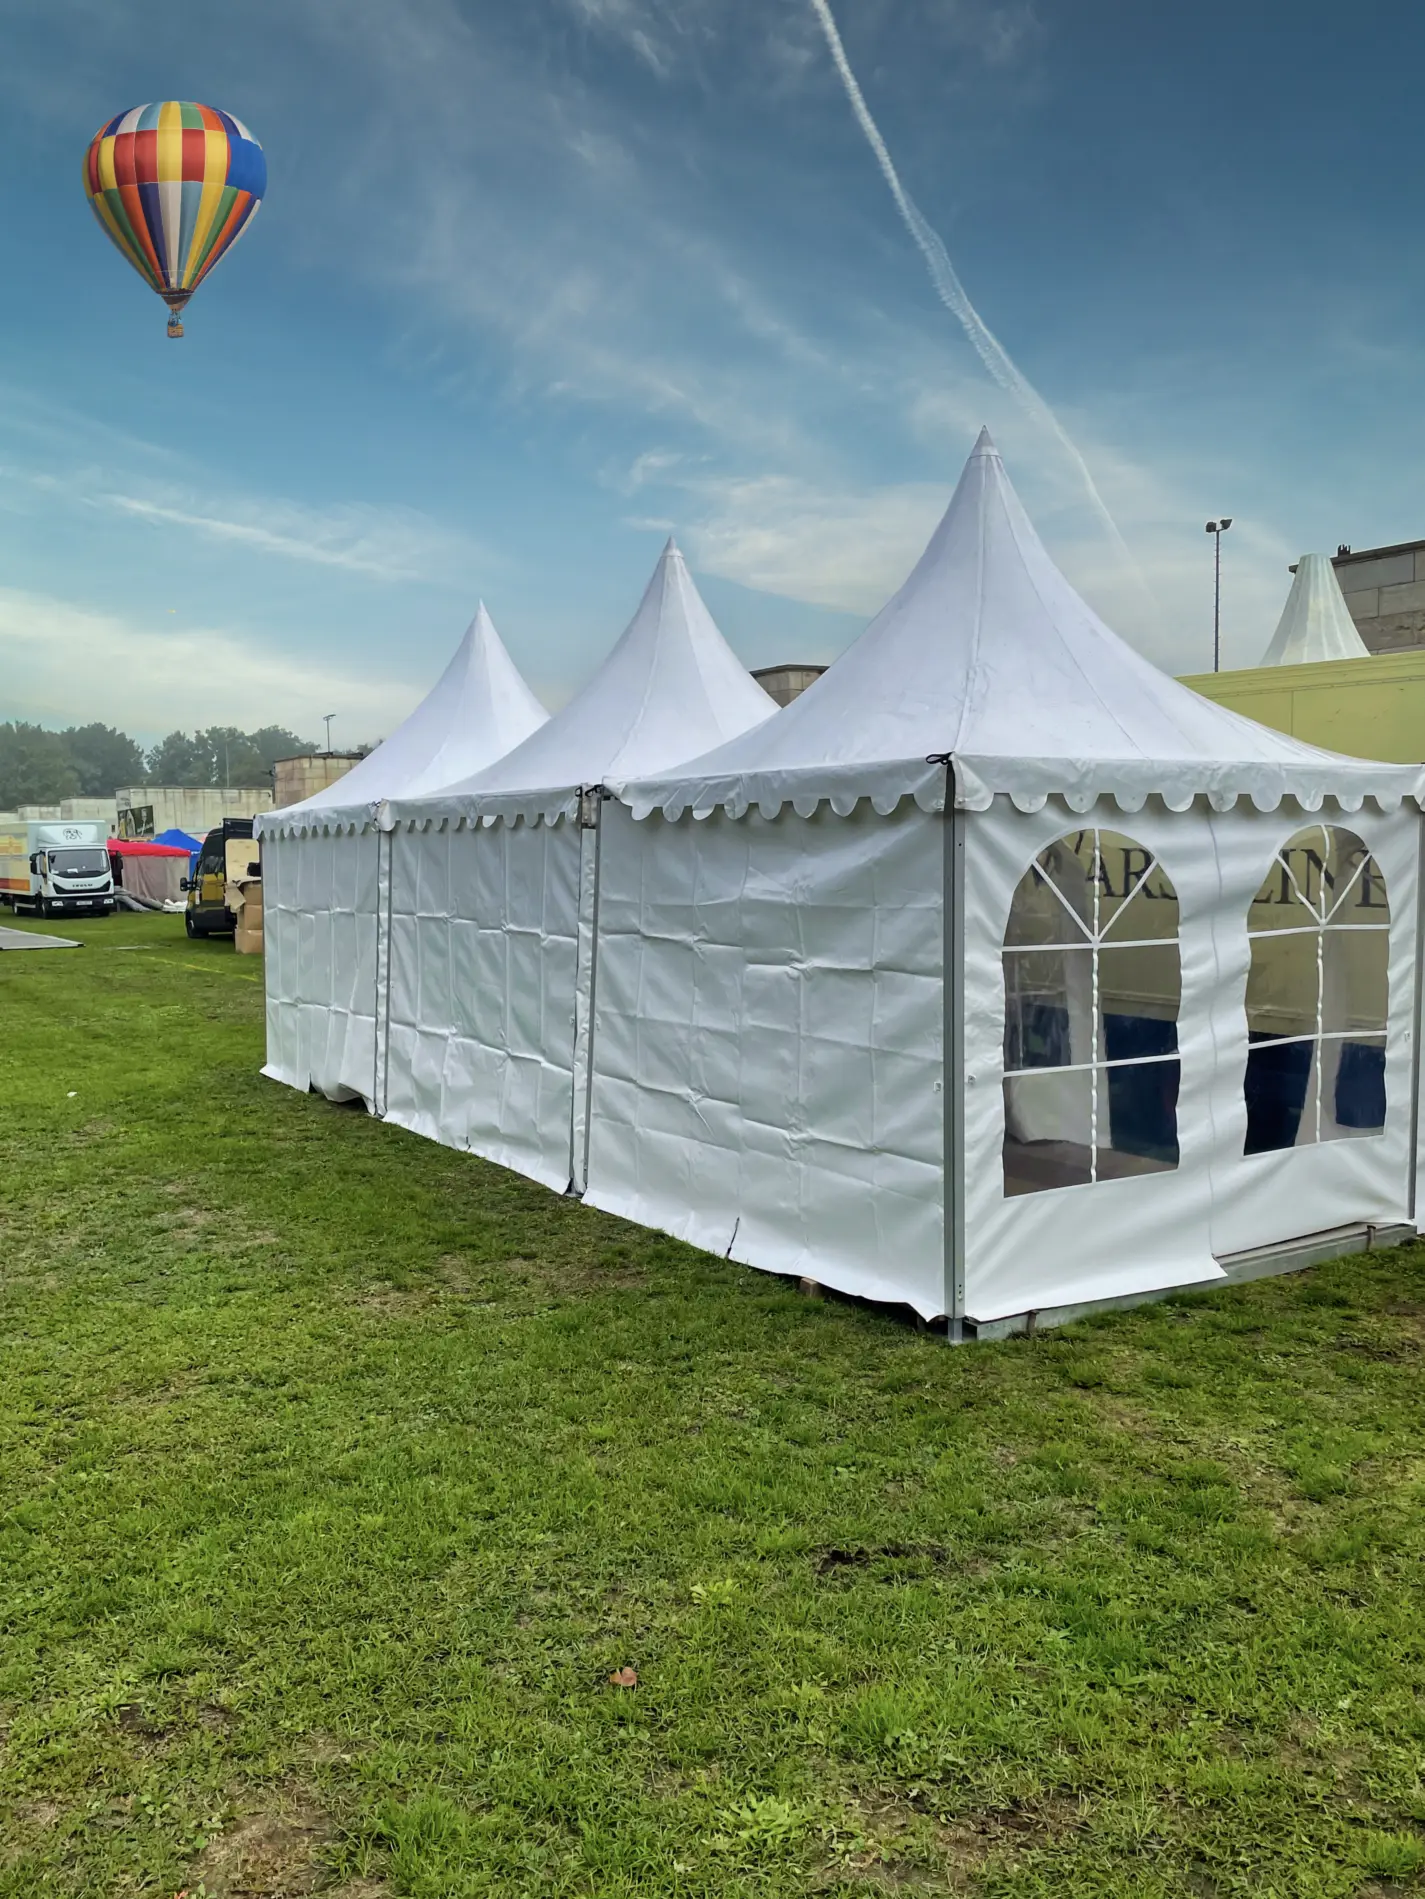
(535, 283)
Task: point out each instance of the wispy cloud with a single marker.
(384, 543)
(843, 548)
(62, 662)
(52, 465)
(850, 546)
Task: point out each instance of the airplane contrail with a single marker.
(951, 291)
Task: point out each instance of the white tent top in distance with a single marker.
(987, 657)
(1316, 623)
(478, 709)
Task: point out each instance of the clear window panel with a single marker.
(1103, 874)
(1352, 1087)
(1048, 1128)
(1354, 980)
(1328, 873)
(1281, 903)
(1352, 887)
(1039, 915)
(1136, 897)
(1279, 1091)
(1365, 900)
(1091, 1040)
(1068, 865)
(1048, 1008)
(1142, 1132)
(1283, 987)
(1139, 989)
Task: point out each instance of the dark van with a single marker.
(228, 853)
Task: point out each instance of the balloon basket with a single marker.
(175, 326)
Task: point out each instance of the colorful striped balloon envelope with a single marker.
(174, 185)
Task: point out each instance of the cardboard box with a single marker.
(244, 899)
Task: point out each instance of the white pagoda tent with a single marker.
(1001, 974)
(326, 865)
(1316, 623)
(495, 891)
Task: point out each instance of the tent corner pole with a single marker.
(383, 977)
(953, 990)
(1415, 1019)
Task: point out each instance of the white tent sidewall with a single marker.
(1077, 1244)
(483, 956)
(319, 925)
(768, 1049)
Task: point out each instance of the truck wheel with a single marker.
(43, 906)
(188, 923)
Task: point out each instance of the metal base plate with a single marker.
(1260, 1262)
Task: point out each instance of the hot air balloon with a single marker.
(174, 185)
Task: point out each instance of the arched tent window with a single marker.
(1317, 994)
(1092, 983)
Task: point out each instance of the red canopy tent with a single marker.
(152, 871)
(143, 847)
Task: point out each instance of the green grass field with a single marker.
(339, 1473)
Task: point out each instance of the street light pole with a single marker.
(1217, 529)
(327, 718)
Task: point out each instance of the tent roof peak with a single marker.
(476, 711)
(988, 653)
(671, 686)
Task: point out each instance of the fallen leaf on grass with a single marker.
(624, 1678)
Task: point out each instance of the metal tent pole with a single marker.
(953, 987)
(1415, 1018)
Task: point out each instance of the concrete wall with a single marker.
(147, 810)
(1369, 708)
(1385, 592)
(784, 683)
(298, 778)
(67, 810)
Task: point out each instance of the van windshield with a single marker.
(80, 863)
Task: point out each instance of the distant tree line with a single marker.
(38, 766)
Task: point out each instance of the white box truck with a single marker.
(56, 867)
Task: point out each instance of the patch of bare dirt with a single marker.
(273, 1855)
(41, 1814)
(133, 1720)
(974, 1841)
(391, 1300)
(962, 1848)
(455, 1271)
(864, 1556)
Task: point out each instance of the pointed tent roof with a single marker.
(477, 710)
(671, 687)
(988, 657)
(1316, 623)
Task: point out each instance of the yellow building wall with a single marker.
(1370, 708)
